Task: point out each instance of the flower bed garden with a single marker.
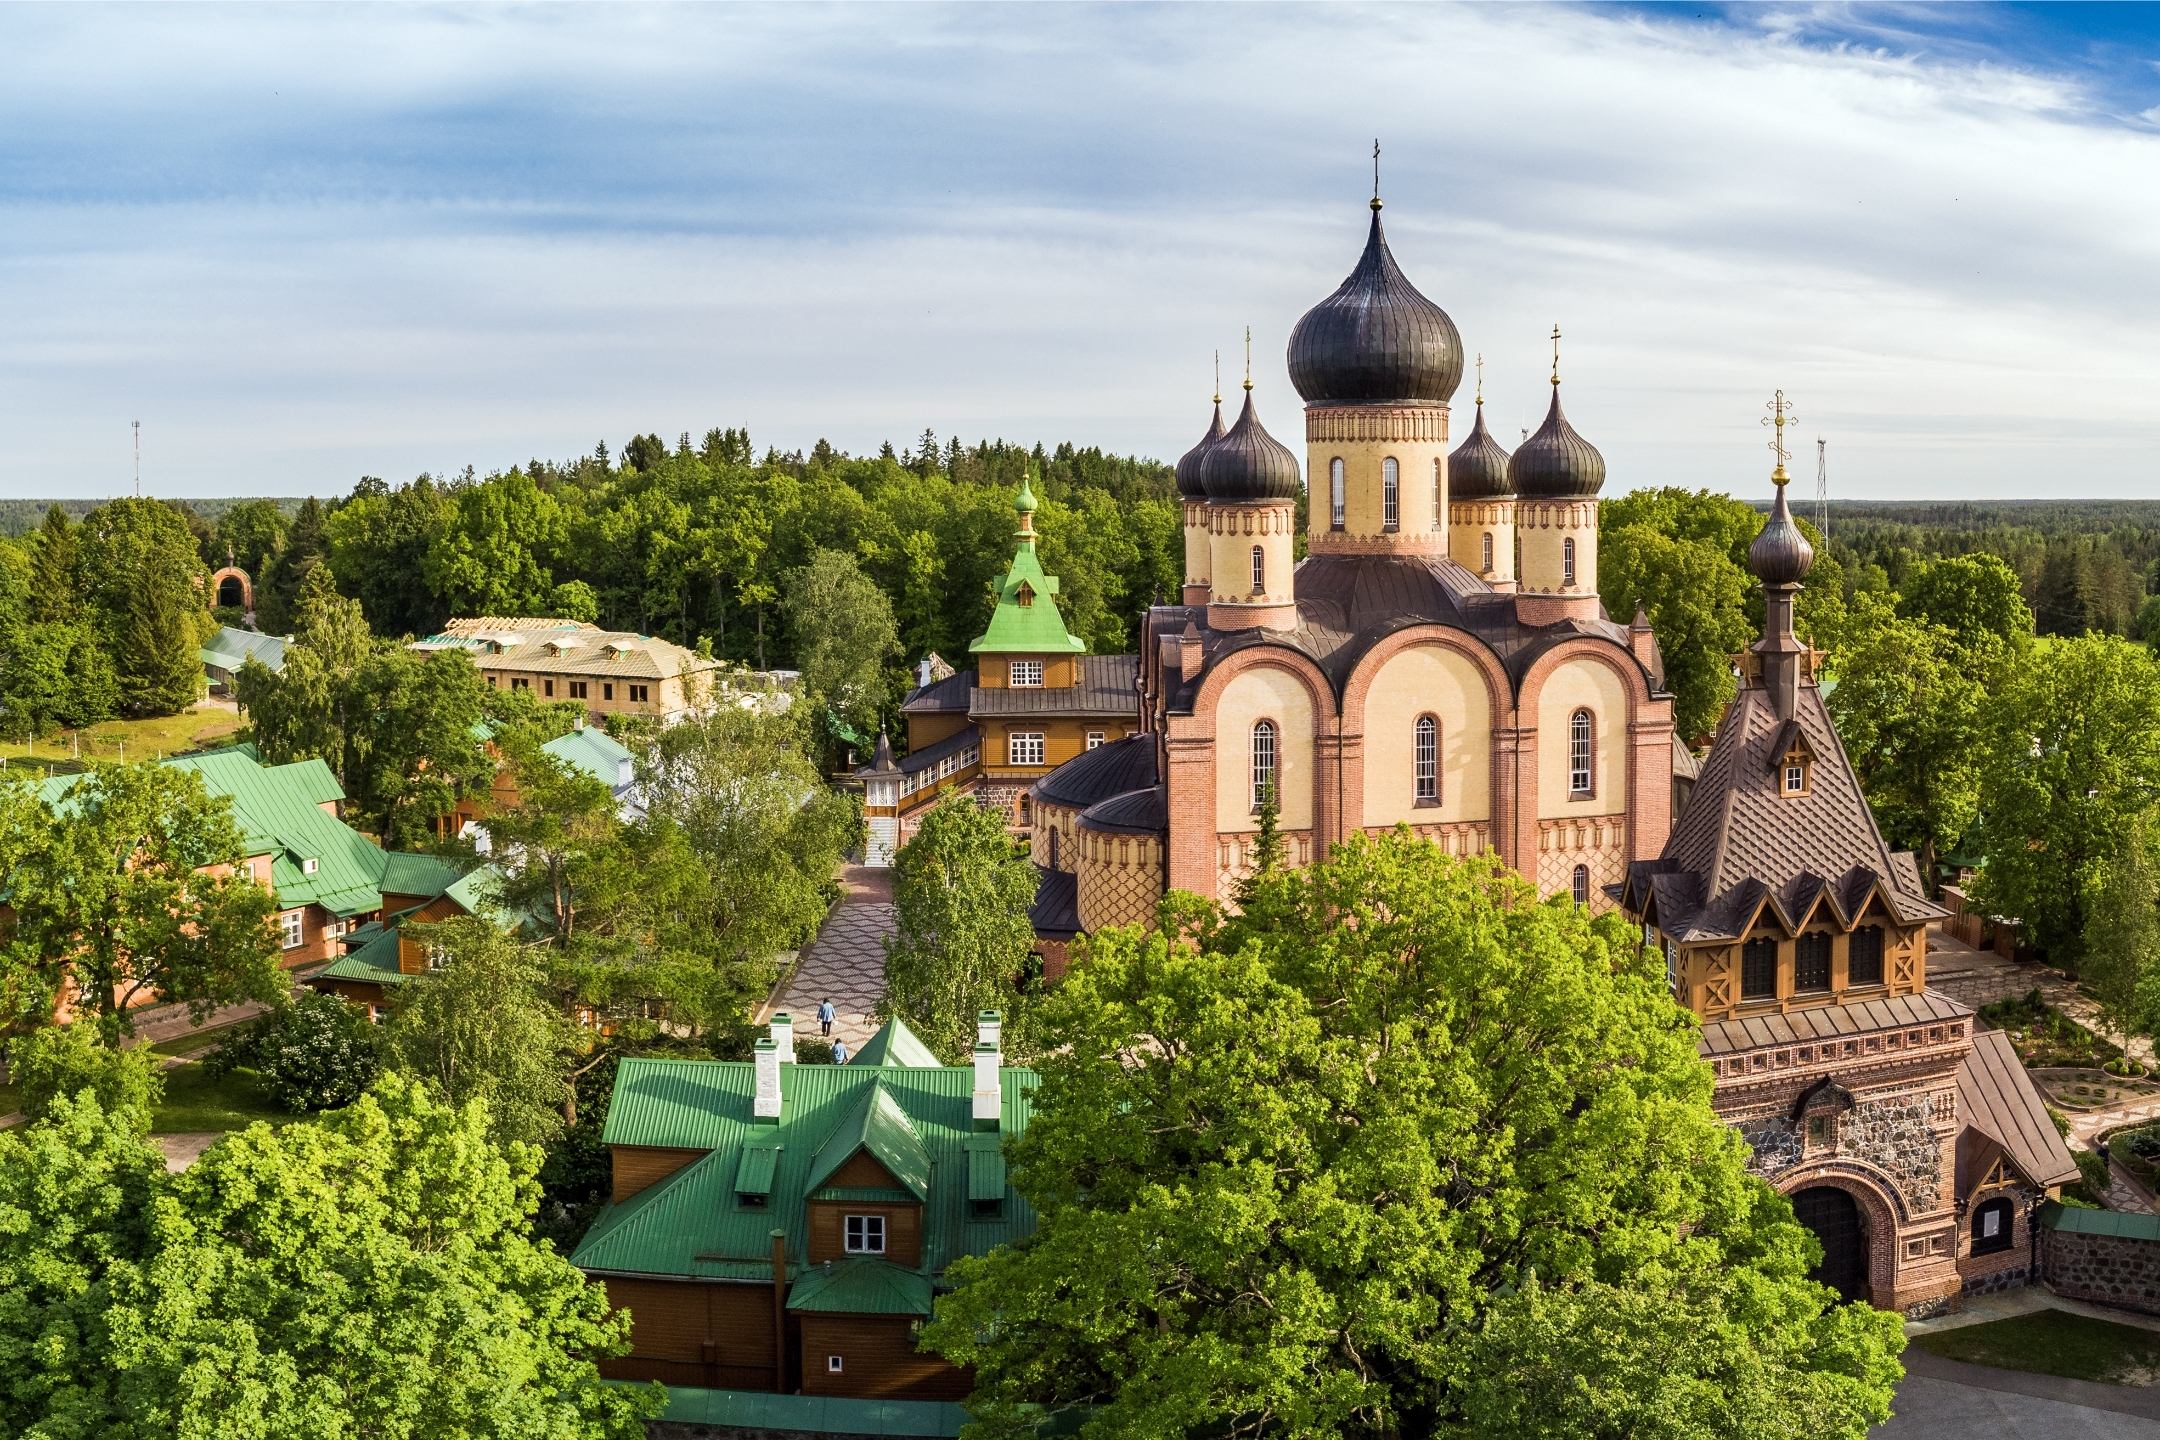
(2044, 1036)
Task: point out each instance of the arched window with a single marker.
(1439, 489)
(1335, 493)
(1581, 755)
(1518, 557)
(1488, 552)
(1567, 561)
(1026, 810)
(1992, 1224)
(1580, 884)
(1259, 571)
(1428, 760)
(1053, 848)
(1390, 495)
(1263, 762)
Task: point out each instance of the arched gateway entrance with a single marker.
(1834, 1216)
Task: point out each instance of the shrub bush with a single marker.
(316, 1053)
(68, 1059)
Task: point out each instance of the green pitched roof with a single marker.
(230, 649)
(374, 963)
(861, 1287)
(1033, 627)
(693, 1224)
(895, 1044)
(405, 873)
(591, 751)
(759, 1410)
(879, 1125)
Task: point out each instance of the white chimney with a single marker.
(766, 1107)
(989, 1099)
(988, 1026)
(783, 1036)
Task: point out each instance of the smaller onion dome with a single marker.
(1188, 465)
(1780, 555)
(1248, 465)
(1478, 468)
(1556, 463)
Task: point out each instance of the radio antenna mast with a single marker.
(138, 459)
(1822, 488)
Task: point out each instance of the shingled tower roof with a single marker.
(1744, 839)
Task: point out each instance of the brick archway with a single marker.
(1880, 1209)
(232, 581)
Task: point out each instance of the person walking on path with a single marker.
(839, 1052)
(825, 1016)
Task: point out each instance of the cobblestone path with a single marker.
(844, 964)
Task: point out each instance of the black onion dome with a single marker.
(1376, 338)
(1556, 463)
(1248, 465)
(1780, 555)
(1478, 469)
(1188, 465)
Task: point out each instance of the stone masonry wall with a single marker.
(1896, 1136)
(1774, 1143)
(2117, 1270)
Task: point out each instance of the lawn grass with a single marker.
(196, 1100)
(2054, 1342)
(121, 739)
(195, 1040)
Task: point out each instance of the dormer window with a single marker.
(864, 1235)
(1796, 777)
(1027, 673)
(307, 865)
(1025, 595)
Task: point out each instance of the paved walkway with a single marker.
(1942, 1400)
(844, 964)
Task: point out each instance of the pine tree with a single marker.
(160, 671)
(53, 594)
(1268, 851)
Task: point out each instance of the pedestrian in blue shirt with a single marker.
(825, 1016)
(839, 1052)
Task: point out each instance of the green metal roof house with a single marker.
(785, 1228)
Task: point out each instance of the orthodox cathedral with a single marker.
(1440, 659)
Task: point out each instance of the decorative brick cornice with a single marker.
(1353, 423)
(1345, 542)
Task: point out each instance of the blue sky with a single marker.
(305, 244)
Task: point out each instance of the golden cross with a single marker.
(1779, 417)
(1376, 169)
(1556, 352)
(1248, 359)
(1480, 377)
(1218, 377)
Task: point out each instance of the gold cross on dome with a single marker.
(1556, 353)
(1779, 417)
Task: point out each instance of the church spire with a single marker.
(1780, 558)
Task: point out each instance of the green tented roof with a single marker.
(1035, 628)
(895, 1044)
(424, 875)
(860, 1287)
(373, 963)
(691, 1224)
(876, 1123)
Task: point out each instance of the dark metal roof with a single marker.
(1142, 812)
(1556, 463)
(1780, 555)
(1105, 691)
(947, 695)
(1188, 465)
(2002, 1111)
(1376, 338)
(951, 745)
(1827, 1022)
(1478, 470)
(1096, 775)
(1056, 911)
(1349, 603)
(1248, 464)
(1740, 843)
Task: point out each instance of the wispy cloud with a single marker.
(306, 244)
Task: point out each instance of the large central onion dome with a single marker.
(1248, 465)
(1781, 554)
(1188, 465)
(1556, 463)
(1478, 470)
(1376, 338)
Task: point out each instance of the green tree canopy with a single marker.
(369, 1274)
(1696, 598)
(1977, 598)
(1421, 1155)
(844, 637)
(143, 581)
(961, 941)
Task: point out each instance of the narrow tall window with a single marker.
(1259, 571)
(1335, 494)
(1263, 762)
(1579, 885)
(1863, 956)
(1390, 495)
(1428, 760)
(1487, 555)
(1758, 970)
(1582, 755)
(1811, 962)
(1567, 561)
(1439, 490)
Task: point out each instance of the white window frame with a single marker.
(292, 929)
(1024, 747)
(1579, 885)
(1567, 561)
(437, 957)
(1265, 756)
(1259, 571)
(1425, 742)
(1096, 738)
(1795, 777)
(1488, 552)
(863, 1234)
(1439, 490)
(1390, 495)
(1582, 755)
(834, 1364)
(1335, 493)
(1025, 674)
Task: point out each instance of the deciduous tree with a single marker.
(961, 942)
